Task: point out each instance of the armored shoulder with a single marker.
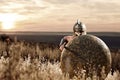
(63, 40)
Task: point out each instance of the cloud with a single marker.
(63, 12)
(61, 7)
(22, 7)
(61, 1)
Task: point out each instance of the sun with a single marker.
(8, 21)
(7, 25)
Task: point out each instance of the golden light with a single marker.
(7, 25)
(8, 21)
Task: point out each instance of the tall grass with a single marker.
(37, 61)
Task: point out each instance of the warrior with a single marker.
(78, 29)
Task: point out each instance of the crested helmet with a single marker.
(79, 27)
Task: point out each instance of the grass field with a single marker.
(40, 61)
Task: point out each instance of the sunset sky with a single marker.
(59, 15)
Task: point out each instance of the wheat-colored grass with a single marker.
(37, 61)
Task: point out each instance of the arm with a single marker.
(63, 42)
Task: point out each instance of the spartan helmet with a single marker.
(79, 27)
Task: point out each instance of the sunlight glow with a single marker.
(8, 20)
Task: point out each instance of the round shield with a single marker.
(86, 54)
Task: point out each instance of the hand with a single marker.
(77, 33)
(62, 46)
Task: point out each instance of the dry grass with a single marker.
(38, 61)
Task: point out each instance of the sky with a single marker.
(60, 15)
